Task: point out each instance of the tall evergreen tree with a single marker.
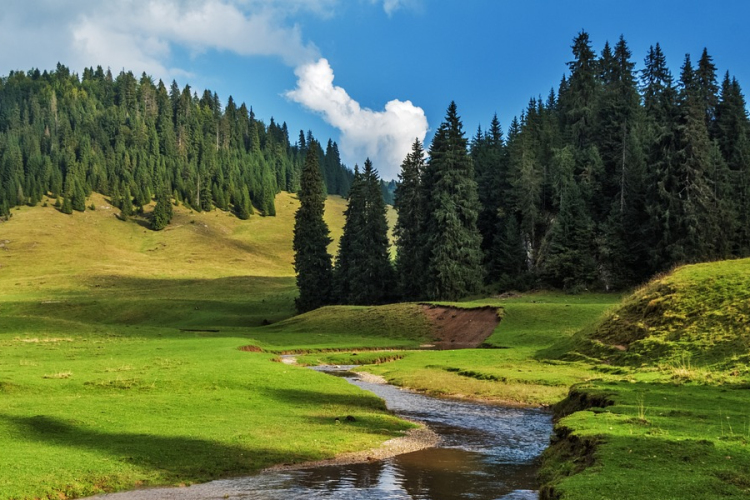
(452, 241)
(363, 273)
(409, 204)
(490, 167)
(126, 205)
(163, 211)
(312, 262)
(733, 131)
(570, 262)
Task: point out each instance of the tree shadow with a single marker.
(175, 459)
(302, 397)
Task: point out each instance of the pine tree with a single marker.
(733, 137)
(490, 167)
(570, 262)
(126, 208)
(67, 206)
(163, 211)
(363, 273)
(452, 241)
(312, 262)
(409, 203)
(352, 252)
(78, 201)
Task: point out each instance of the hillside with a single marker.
(121, 352)
(697, 314)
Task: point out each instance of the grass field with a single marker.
(121, 363)
(101, 387)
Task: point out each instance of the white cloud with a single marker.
(383, 136)
(391, 6)
(140, 34)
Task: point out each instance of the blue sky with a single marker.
(395, 64)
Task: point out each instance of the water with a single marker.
(486, 453)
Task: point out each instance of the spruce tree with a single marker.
(78, 201)
(162, 211)
(662, 117)
(67, 206)
(452, 241)
(408, 202)
(351, 254)
(620, 201)
(363, 273)
(378, 278)
(696, 229)
(126, 207)
(490, 168)
(733, 136)
(312, 262)
(570, 261)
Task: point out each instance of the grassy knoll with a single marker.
(698, 315)
(676, 424)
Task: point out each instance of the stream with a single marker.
(486, 452)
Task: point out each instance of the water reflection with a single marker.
(436, 474)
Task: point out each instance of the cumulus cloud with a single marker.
(141, 34)
(383, 136)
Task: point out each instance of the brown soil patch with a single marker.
(251, 348)
(457, 328)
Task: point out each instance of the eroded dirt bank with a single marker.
(458, 328)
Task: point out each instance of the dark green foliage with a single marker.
(67, 206)
(5, 211)
(70, 136)
(606, 183)
(491, 170)
(452, 243)
(162, 211)
(79, 198)
(569, 263)
(312, 262)
(126, 205)
(408, 202)
(364, 273)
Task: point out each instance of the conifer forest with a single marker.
(617, 174)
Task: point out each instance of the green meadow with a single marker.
(121, 364)
(122, 367)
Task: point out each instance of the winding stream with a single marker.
(486, 452)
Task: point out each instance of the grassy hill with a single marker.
(698, 315)
(120, 360)
(674, 422)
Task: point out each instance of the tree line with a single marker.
(617, 175)
(439, 246)
(134, 140)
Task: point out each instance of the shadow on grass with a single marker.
(309, 398)
(238, 301)
(173, 459)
